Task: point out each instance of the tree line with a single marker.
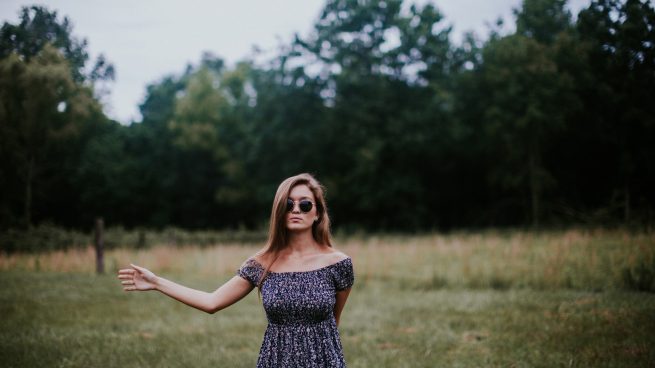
(552, 123)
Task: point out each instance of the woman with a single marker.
(303, 280)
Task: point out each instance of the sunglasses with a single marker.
(305, 205)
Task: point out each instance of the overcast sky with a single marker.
(147, 39)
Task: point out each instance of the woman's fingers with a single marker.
(140, 269)
(127, 277)
(131, 276)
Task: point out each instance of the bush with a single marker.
(47, 237)
(641, 277)
(44, 237)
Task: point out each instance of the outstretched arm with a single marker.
(141, 279)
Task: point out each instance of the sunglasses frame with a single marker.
(292, 204)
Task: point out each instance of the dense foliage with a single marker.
(551, 123)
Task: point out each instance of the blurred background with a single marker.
(489, 166)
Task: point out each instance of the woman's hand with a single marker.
(137, 278)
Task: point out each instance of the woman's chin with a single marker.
(297, 227)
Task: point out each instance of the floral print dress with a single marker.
(302, 330)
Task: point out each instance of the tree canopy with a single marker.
(549, 124)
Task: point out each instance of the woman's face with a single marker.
(297, 219)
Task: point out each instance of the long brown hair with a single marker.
(277, 230)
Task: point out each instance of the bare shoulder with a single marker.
(336, 256)
(257, 257)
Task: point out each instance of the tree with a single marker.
(48, 108)
(191, 148)
(43, 109)
(526, 91)
(620, 39)
(542, 20)
(379, 68)
(39, 26)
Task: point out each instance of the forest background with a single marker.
(550, 125)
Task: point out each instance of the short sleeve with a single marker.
(251, 271)
(344, 276)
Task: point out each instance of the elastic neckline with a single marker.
(314, 270)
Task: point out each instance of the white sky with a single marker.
(147, 39)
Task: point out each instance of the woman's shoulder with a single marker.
(336, 256)
(256, 259)
(251, 270)
(342, 270)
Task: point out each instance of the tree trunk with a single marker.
(100, 242)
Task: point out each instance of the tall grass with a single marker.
(572, 259)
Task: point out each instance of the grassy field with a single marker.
(492, 299)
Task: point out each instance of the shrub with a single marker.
(641, 277)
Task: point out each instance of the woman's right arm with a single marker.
(141, 279)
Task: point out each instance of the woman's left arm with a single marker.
(342, 296)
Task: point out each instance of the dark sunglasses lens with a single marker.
(289, 205)
(305, 206)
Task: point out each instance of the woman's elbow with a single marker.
(209, 308)
(214, 308)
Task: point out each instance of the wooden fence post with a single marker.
(100, 262)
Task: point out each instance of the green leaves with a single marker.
(38, 27)
(542, 20)
(406, 129)
(44, 113)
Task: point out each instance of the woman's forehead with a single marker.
(301, 191)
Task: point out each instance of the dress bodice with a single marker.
(299, 306)
(300, 296)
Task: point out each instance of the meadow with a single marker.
(569, 298)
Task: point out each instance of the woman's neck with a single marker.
(301, 244)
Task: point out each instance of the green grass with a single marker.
(75, 320)
(478, 300)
